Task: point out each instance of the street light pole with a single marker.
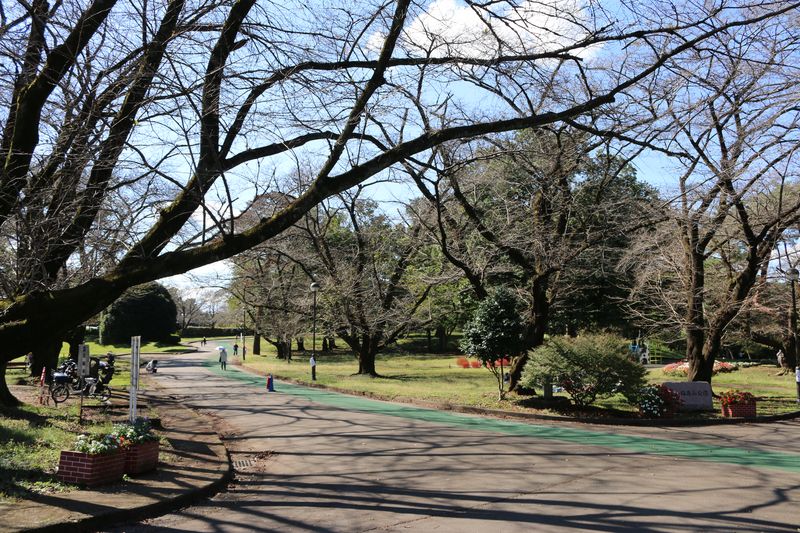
(793, 275)
(314, 288)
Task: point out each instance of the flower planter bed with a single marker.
(141, 458)
(740, 410)
(91, 470)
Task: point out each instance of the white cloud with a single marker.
(449, 27)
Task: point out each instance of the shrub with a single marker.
(147, 310)
(656, 401)
(587, 367)
(495, 333)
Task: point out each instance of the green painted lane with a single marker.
(700, 452)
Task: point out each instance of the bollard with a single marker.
(270, 387)
(797, 379)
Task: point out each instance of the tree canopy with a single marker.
(132, 134)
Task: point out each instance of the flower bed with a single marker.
(736, 403)
(96, 460)
(681, 368)
(139, 444)
(91, 469)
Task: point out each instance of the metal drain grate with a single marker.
(242, 463)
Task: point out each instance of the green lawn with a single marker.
(32, 436)
(99, 350)
(31, 440)
(438, 379)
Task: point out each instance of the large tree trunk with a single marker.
(45, 355)
(301, 344)
(789, 351)
(287, 349)
(75, 337)
(366, 363)
(366, 347)
(441, 338)
(699, 367)
(534, 330)
(6, 398)
(256, 343)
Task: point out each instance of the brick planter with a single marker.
(85, 469)
(739, 410)
(141, 457)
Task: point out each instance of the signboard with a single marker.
(696, 395)
(136, 344)
(83, 360)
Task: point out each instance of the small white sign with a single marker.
(83, 360)
(136, 344)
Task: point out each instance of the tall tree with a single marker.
(733, 114)
(533, 206)
(367, 266)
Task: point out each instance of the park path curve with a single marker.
(312, 460)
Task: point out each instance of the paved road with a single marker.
(309, 460)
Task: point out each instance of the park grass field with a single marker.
(438, 379)
(32, 436)
(99, 350)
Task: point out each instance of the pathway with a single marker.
(311, 460)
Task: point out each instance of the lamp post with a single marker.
(314, 288)
(793, 275)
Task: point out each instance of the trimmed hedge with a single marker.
(147, 310)
(206, 331)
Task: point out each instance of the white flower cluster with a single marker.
(96, 444)
(650, 402)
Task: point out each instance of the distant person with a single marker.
(203, 342)
(313, 363)
(782, 363)
(223, 358)
(235, 349)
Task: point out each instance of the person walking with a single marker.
(784, 369)
(203, 342)
(235, 349)
(223, 358)
(313, 363)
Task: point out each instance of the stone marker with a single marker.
(696, 395)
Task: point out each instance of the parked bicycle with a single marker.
(65, 380)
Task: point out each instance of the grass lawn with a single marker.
(31, 440)
(438, 379)
(99, 350)
(32, 437)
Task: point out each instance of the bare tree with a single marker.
(173, 106)
(189, 306)
(371, 273)
(733, 111)
(525, 211)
